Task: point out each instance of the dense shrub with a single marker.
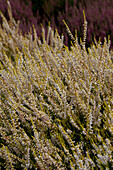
(55, 104)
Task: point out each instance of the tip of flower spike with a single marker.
(84, 15)
(49, 24)
(1, 14)
(64, 22)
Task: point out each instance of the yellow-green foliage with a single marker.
(55, 103)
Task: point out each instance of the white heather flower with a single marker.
(84, 132)
(69, 131)
(107, 141)
(99, 138)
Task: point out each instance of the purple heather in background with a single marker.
(99, 15)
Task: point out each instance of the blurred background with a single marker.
(99, 15)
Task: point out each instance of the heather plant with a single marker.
(55, 103)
